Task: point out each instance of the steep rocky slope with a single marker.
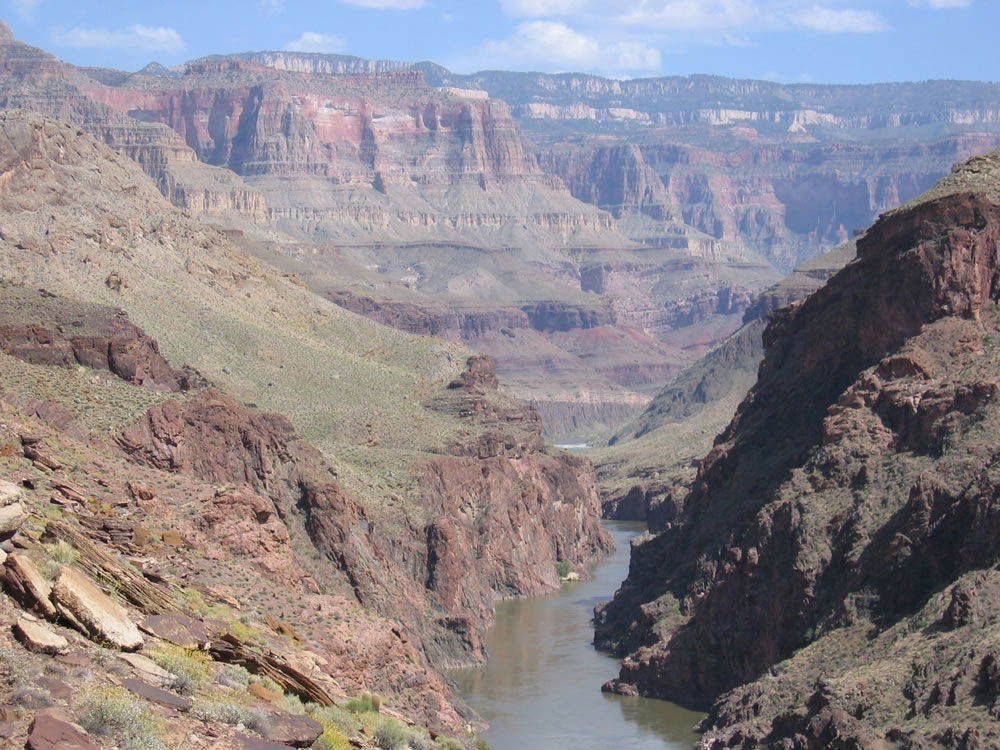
(430, 495)
(649, 463)
(832, 564)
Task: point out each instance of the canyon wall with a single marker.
(849, 491)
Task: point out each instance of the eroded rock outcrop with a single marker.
(38, 328)
(504, 507)
(839, 501)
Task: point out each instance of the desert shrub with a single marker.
(334, 716)
(391, 735)
(449, 743)
(291, 703)
(332, 739)
(420, 741)
(267, 683)
(190, 668)
(234, 676)
(563, 567)
(360, 705)
(114, 712)
(62, 552)
(229, 712)
(480, 744)
(15, 666)
(31, 697)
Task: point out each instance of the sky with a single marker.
(821, 41)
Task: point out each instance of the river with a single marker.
(541, 688)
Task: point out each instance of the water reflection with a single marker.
(541, 686)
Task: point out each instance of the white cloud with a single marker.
(942, 3)
(820, 18)
(135, 37)
(690, 14)
(542, 8)
(26, 8)
(549, 43)
(310, 41)
(387, 4)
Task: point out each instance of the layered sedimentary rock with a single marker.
(844, 507)
(424, 502)
(779, 201)
(32, 79)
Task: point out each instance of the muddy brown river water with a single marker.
(541, 688)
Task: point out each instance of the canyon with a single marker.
(285, 339)
(410, 516)
(648, 214)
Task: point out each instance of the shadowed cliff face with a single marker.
(852, 485)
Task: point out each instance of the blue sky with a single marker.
(829, 41)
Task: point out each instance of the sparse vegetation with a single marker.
(115, 713)
(229, 711)
(190, 668)
(391, 735)
(563, 568)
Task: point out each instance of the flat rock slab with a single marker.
(23, 582)
(74, 659)
(100, 615)
(38, 638)
(243, 742)
(289, 729)
(156, 695)
(50, 733)
(180, 630)
(148, 669)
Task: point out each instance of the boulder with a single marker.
(50, 731)
(289, 729)
(157, 695)
(148, 669)
(23, 582)
(84, 603)
(10, 493)
(180, 630)
(38, 638)
(11, 518)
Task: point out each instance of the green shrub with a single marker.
(563, 568)
(114, 712)
(480, 744)
(229, 712)
(450, 743)
(360, 705)
(234, 676)
(190, 668)
(391, 735)
(331, 739)
(62, 552)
